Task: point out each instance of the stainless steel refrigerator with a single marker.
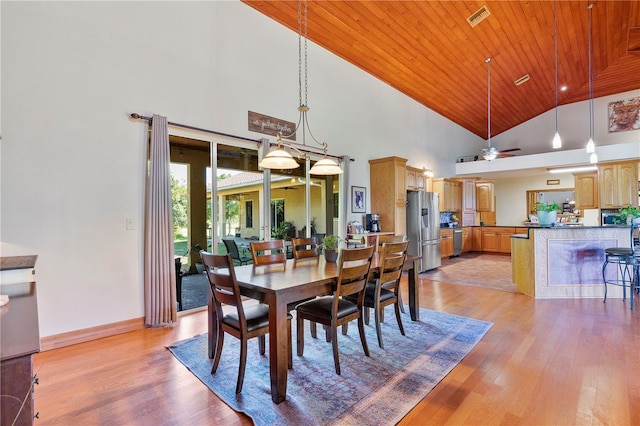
(423, 228)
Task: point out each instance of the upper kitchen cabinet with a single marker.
(468, 202)
(618, 184)
(450, 194)
(387, 178)
(484, 196)
(416, 180)
(586, 190)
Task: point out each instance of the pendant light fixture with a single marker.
(279, 158)
(557, 142)
(591, 146)
(489, 153)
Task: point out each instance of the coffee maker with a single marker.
(372, 222)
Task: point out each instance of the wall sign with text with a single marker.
(271, 126)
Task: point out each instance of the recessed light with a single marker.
(563, 88)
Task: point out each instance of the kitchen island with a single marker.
(565, 262)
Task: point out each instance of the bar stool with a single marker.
(628, 261)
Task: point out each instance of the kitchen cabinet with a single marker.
(485, 199)
(387, 178)
(497, 239)
(446, 243)
(618, 184)
(586, 190)
(488, 218)
(468, 202)
(450, 192)
(467, 239)
(476, 238)
(416, 180)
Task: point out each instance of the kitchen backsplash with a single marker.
(445, 217)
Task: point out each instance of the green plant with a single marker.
(625, 212)
(330, 242)
(548, 207)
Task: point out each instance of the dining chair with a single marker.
(244, 322)
(334, 311)
(382, 239)
(268, 252)
(384, 290)
(305, 248)
(232, 249)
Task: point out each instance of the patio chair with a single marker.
(232, 249)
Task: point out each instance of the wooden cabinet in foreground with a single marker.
(618, 184)
(586, 190)
(416, 180)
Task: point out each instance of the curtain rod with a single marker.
(137, 116)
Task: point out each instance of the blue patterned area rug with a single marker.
(375, 390)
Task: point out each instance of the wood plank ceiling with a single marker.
(428, 51)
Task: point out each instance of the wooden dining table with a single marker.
(280, 285)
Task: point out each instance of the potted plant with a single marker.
(329, 246)
(547, 213)
(629, 214)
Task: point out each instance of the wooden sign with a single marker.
(271, 126)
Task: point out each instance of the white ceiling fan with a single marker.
(491, 152)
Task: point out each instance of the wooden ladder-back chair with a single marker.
(243, 322)
(383, 239)
(384, 290)
(268, 252)
(334, 311)
(305, 248)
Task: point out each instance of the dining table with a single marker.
(282, 285)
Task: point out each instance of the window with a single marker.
(248, 214)
(277, 212)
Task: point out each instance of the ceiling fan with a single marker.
(491, 152)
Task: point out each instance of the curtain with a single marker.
(159, 269)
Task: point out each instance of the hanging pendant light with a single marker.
(591, 146)
(557, 142)
(325, 166)
(489, 153)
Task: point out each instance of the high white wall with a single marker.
(73, 164)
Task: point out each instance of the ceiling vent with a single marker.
(522, 80)
(482, 14)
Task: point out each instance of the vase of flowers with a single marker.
(547, 213)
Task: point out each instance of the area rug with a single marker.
(380, 389)
(476, 270)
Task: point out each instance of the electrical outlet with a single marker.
(131, 225)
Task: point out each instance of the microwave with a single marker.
(611, 217)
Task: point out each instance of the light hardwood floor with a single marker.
(544, 362)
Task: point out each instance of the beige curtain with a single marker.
(159, 274)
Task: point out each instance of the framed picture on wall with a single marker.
(358, 199)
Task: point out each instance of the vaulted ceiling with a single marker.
(430, 52)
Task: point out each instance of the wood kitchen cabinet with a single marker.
(450, 192)
(416, 180)
(497, 239)
(467, 239)
(586, 190)
(485, 200)
(446, 243)
(468, 202)
(387, 178)
(476, 238)
(618, 184)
